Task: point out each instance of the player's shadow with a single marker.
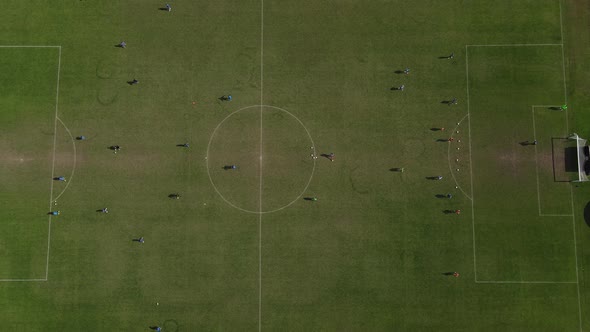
(183, 145)
(99, 210)
(442, 140)
(570, 155)
(432, 178)
(395, 88)
(163, 8)
(396, 169)
(223, 98)
(440, 196)
(308, 198)
(229, 167)
(119, 46)
(448, 273)
(399, 72)
(132, 82)
(435, 129)
(449, 211)
(555, 108)
(587, 214)
(447, 102)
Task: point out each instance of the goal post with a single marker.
(583, 158)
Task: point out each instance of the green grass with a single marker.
(28, 103)
(370, 254)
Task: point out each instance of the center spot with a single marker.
(260, 185)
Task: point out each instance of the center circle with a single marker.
(272, 152)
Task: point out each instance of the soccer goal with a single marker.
(583, 162)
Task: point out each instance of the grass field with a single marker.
(244, 249)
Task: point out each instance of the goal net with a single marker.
(583, 158)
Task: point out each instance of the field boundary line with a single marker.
(513, 45)
(576, 257)
(571, 188)
(15, 280)
(29, 46)
(523, 282)
(260, 182)
(73, 166)
(470, 164)
(564, 76)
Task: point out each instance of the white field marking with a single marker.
(251, 211)
(449, 160)
(560, 23)
(571, 189)
(261, 53)
(563, 64)
(511, 45)
(470, 164)
(259, 271)
(523, 282)
(53, 165)
(73, 166)
(470, 149)
(10, 280)
(564, 90)
(53, 162)
(536, 163)
(576, 256)
(260, 189)
(29, 46)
